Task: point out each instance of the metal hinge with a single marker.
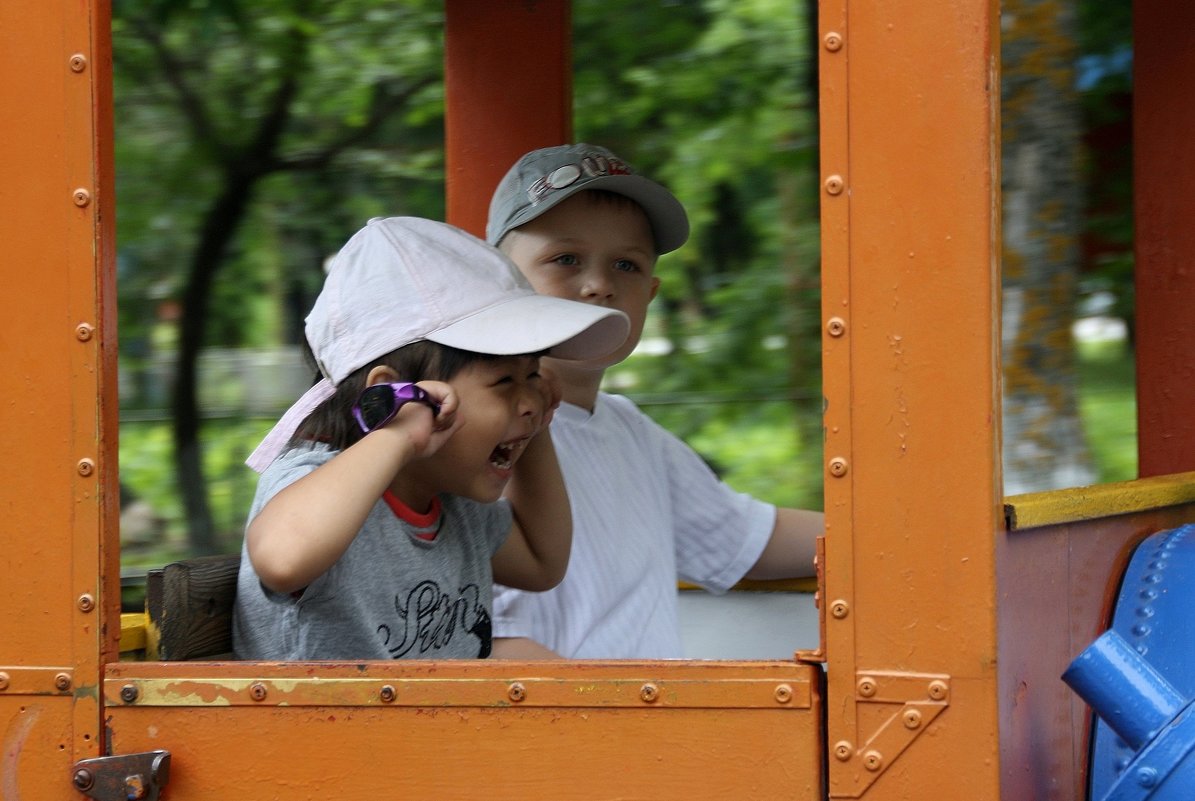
(127, 777)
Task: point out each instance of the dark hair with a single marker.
(332, 422)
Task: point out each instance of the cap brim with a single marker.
(669, 222)
(532, 323)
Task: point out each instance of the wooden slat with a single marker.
(189, 604)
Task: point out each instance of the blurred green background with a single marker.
(254, 137)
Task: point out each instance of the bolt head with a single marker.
(83, 779)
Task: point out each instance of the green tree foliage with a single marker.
(715, 100)
(252, 138)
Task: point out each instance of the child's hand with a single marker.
(550, 388)
(428, 434)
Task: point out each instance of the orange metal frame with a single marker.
(59, 566)
(945, 629)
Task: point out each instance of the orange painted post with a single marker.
(910, 300)
(508, 86)
(60, 581)
(1164, 205)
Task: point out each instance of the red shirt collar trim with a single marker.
(430, 520)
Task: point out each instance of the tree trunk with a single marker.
(219, 227)
(1044, 444)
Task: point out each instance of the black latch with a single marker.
(127, 777)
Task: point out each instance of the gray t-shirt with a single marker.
(391, 595)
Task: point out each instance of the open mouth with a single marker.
(506, 454)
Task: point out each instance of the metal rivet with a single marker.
(128, 693)
(843, 750)
(81, 197)
(258, 691)
(937, 690)
(836, 326)
(86, 602)
(3, 680)
(1147, 777)
(62, 682)
(387, 694)
(833, 185)
(840, 609)
(517, 691)
(873, 760)
(85, 467)
(832, 41)
(817, 599)
(78, 62)
(912, 718)
(866, 687)
(649, 693)
(83, 331)
(784, 693)
(837, 467)
(83, 779)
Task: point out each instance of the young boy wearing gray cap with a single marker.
(374, 533)
(582, 225)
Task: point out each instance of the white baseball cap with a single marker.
(401, 280)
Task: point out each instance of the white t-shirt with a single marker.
(646, 510)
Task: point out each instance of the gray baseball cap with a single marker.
(545, 177)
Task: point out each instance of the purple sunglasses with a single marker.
(378, 404)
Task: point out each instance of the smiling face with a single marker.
(501, 408)
(594, 247)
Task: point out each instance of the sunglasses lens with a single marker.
(377, 405)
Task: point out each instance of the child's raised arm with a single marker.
(535, 554)
(304, 529)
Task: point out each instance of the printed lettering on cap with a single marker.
(594, 165)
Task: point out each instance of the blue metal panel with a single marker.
(1155, 615)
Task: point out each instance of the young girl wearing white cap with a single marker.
(374, 533)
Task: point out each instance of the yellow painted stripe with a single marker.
(1100, 500)
(774, 585)
(132, 631)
